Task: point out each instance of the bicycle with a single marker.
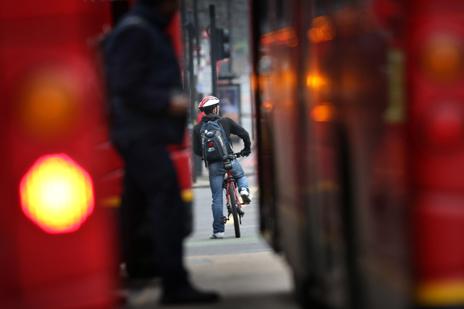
(232, 197)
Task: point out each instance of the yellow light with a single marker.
(187, 195)
(322, 112)
(48, 104)
(442, 58)
(57, 194)
(316, 81)
(441, 293)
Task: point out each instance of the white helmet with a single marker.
(208, 101)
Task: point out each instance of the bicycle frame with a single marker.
(233, 200)
(230, 181)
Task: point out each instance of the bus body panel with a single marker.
(379, 189)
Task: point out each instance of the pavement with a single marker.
(245, 271)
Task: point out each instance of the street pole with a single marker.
(191, 73)
(229, 26)
(212, 47)
(197, 170)
(197, 30)
(186, 37)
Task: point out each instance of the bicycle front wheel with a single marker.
(234, 209)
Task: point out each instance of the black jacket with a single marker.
(230, 127)
(142, 74)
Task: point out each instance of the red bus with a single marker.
(57, 239)
(360, 124)
(60, 177)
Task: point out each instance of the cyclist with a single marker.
(209, 105)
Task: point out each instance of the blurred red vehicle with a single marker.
(59, 174)
(360, 132)
(57, 240)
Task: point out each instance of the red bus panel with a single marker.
(59, 239)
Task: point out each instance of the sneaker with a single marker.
(245, 194)
(219, 235)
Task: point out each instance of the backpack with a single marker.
(214, 142)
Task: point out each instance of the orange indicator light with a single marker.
(321, 30)
(322, 113)
(442, 58)
(316, 82)
(49, 104)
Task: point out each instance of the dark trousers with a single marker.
(151, 203)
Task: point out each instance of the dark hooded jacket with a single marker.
(142, 75)
(229, 126)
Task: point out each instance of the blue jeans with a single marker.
(216, 180)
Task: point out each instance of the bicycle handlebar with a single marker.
(228, 160)
(233, 156)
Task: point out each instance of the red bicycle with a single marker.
(233, 201)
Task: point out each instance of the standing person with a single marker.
(210, 107)
(148, 112)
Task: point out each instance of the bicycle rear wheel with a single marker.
(234, 209)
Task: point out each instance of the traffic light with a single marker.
(222, 43)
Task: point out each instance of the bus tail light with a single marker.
(57, 194)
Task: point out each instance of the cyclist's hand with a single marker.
(245, 152)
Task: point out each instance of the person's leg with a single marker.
(239, 175)
(242, 181)
(167, 215)
(216, 180)
(156, 176)
(136, 239)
